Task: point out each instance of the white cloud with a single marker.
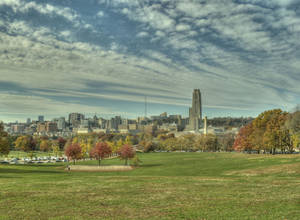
(142, 34)
(151, 16)
(100, 14)
(47, 9)
(182, 27)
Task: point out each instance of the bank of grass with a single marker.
(166, 186)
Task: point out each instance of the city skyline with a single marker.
(104, 57)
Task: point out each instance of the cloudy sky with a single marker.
(105, 56)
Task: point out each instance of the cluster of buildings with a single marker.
(77, 123)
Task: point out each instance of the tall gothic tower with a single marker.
(196, 111)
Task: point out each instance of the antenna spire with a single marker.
(145, 106)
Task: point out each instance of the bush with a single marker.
(136, 161)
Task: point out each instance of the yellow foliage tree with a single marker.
(55, 148)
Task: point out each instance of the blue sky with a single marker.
(104, 57)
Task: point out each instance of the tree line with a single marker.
(272, 131)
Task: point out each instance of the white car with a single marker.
(13, 161)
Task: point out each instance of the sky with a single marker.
(104, 57)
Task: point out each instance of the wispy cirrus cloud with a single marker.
(243, 55)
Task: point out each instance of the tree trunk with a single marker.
(74, 162)
(99, 162)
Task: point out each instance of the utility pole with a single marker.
(145, 106)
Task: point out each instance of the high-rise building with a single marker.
(28, 121)
(61, 123)
(102, 123)
(164, 115)
(41, 118)
(41, 127)
(113, 123)
(51, 126)
(195, 116)
(75, 119)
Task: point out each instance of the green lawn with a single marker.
(166, 186)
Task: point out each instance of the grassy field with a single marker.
(166, 186)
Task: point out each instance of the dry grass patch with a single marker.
(99, 168)
(284, 168)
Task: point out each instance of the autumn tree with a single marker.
(73, 152)
(113, 146)
(100, 151)
(187, 142)
(26, 144)
(61, 143)
(128, 140)
(45, 145)
(276, 135)
(267, 132)
(55, 147)
(4, 141)
(242, 141)
(84, 149)
(119, 144)
(2, 132)
(226, 142)
(126, 152)
(148, 146)
(293, 125)
(210, 142)
(169, 144)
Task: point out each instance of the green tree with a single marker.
(4, 146)
(4, 141)
(55, 148)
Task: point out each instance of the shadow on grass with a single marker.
(150, 165)
(23, 171)
(8, 177)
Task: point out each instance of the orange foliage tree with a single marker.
(73, 152)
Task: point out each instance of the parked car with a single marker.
(4, 162)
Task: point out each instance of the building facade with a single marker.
(195, 113)
(75, 119)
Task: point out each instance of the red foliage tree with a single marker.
(126, 152)
(242, 141)
(73, 152)
(100, 151)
